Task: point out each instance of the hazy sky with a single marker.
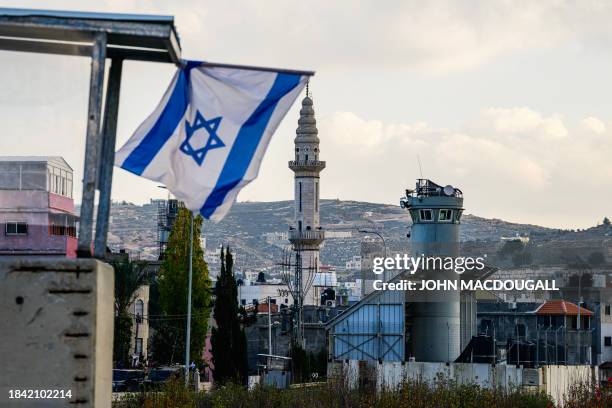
(510, 101)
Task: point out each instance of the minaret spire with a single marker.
(306, 234)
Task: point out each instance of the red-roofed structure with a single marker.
(561, 308)
(263, 308)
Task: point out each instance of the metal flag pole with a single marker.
(188, 336)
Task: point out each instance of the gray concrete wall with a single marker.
(56, 329)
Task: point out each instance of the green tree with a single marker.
(172, 285)
(606, 221)
(304, 364)
(129, 276)
(510, 248)
(228, 340)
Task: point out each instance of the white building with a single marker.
(606, 333)
(276, 238)
(251, 292)
(354, 264)
(348, 293)
(516, 238)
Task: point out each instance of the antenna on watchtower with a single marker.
(420, 169)
(307, 89)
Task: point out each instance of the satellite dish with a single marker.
(449, 190)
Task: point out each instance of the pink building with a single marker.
(36, 207)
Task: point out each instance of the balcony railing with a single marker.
(306, 165)
(314, 235)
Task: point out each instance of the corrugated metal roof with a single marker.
(141, 37)
(14, 12)
(562, 308)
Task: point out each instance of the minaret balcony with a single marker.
(306, 236)
(306, 165)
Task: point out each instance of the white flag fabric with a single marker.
(206, 139)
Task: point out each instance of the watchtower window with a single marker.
(458, 215)
(426, 215)
(445, 215)
(414, 214)
(300, 195)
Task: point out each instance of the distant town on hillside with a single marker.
(257, 233)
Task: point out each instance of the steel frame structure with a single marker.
(99, 36)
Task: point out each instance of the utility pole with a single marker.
(537, 345)
(269, 327)
(578, 323)
(300, 298)
(188, 336)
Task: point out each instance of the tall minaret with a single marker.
(306, 235)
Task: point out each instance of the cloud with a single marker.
(436, 37)
(524, 121)
(431, 37)
(512, 163)
(594, 125)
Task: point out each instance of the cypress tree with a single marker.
(228, 340)
(169, 340)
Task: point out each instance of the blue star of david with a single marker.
(213, 142)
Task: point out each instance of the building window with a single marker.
(300, 195)
(317, 196)
(139, 310)
(16, 228)
(243, 302)
(445, 215)
(608, 341)
(139, 345)
(426, 215)
(607, 310)
(521, 330)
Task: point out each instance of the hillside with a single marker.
(254, 231)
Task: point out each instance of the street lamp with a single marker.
(364, 231)
(188, 334)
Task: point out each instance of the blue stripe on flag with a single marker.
(247, 141)
(162, 130)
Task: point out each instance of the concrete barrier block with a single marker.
(56, 330)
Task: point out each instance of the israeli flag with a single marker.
(206, 139)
